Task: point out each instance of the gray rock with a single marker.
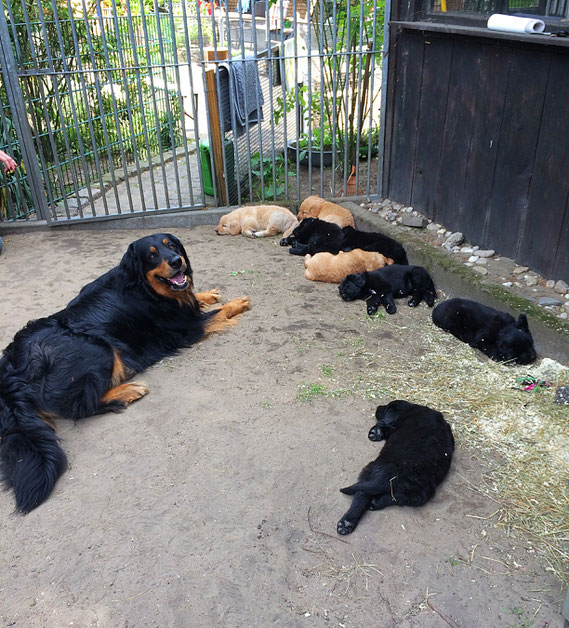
(544, 301)
(481, 270)
(549, 283)
(374, 209)
(433, 226)
(467, 250)
(482, 261)
(454, 239)
(530, 280)
(561, 287)
(562, 395)
(507, 284)
(413, 221)
(485, 253)
(518, 270)
(473, 258)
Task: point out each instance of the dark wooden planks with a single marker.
(457, 133)
(489, 97)
(523, 109)
(431, 122)
(409, 60)
(498, 169)
(541, 241)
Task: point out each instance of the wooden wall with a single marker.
(477, 139)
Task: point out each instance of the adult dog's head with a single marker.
(354, 287)
(162, 262)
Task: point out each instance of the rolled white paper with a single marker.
(513, 24)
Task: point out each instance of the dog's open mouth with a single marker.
(179, 281)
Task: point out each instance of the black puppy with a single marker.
(311, 236)
(380, 287)
(495, 333)
(414, 460)
(316, 236)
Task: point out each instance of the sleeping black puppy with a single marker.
(495, 333)
(414, 460)
(381, 287)
(313, 236)
(316, 236)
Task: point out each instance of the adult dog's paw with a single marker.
(345, 526)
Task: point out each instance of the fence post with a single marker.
(216, 139)
(20, 119)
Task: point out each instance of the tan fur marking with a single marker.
(126, 393)
(119, 373)
(227, 315)
(48, 417)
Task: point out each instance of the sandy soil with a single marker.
(214, 500)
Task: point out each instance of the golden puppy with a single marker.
(257, 221)
(316, 207)
(334, 268)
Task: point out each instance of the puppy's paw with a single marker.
(345, 526)
(284, 242)
(390, 309)
(414, 302)
(371, 310)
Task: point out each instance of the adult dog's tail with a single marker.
(31, 459)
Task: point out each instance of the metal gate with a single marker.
(120, 109)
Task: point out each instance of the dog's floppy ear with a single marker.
(360, 279)
(522, 323)
(234, 227)
(131, 262)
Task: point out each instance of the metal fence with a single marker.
(108, 109)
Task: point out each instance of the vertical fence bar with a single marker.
(137, 68)
(128, 102)
(87, 114)
(185, 18)
(18, 107)
(383, 112)
(169, 114)
(181, 120)
(150, 66)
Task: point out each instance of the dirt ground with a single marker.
(213, 501)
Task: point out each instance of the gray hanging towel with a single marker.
(244, 93)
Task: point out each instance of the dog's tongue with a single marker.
(178, 278)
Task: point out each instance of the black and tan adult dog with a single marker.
(318, 236)
(495, 333)
(414, 460)
(382, 286)
(75, 363)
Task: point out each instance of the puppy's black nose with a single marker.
(176, 262)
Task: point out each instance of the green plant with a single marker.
(356, 42)
(269, 175)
